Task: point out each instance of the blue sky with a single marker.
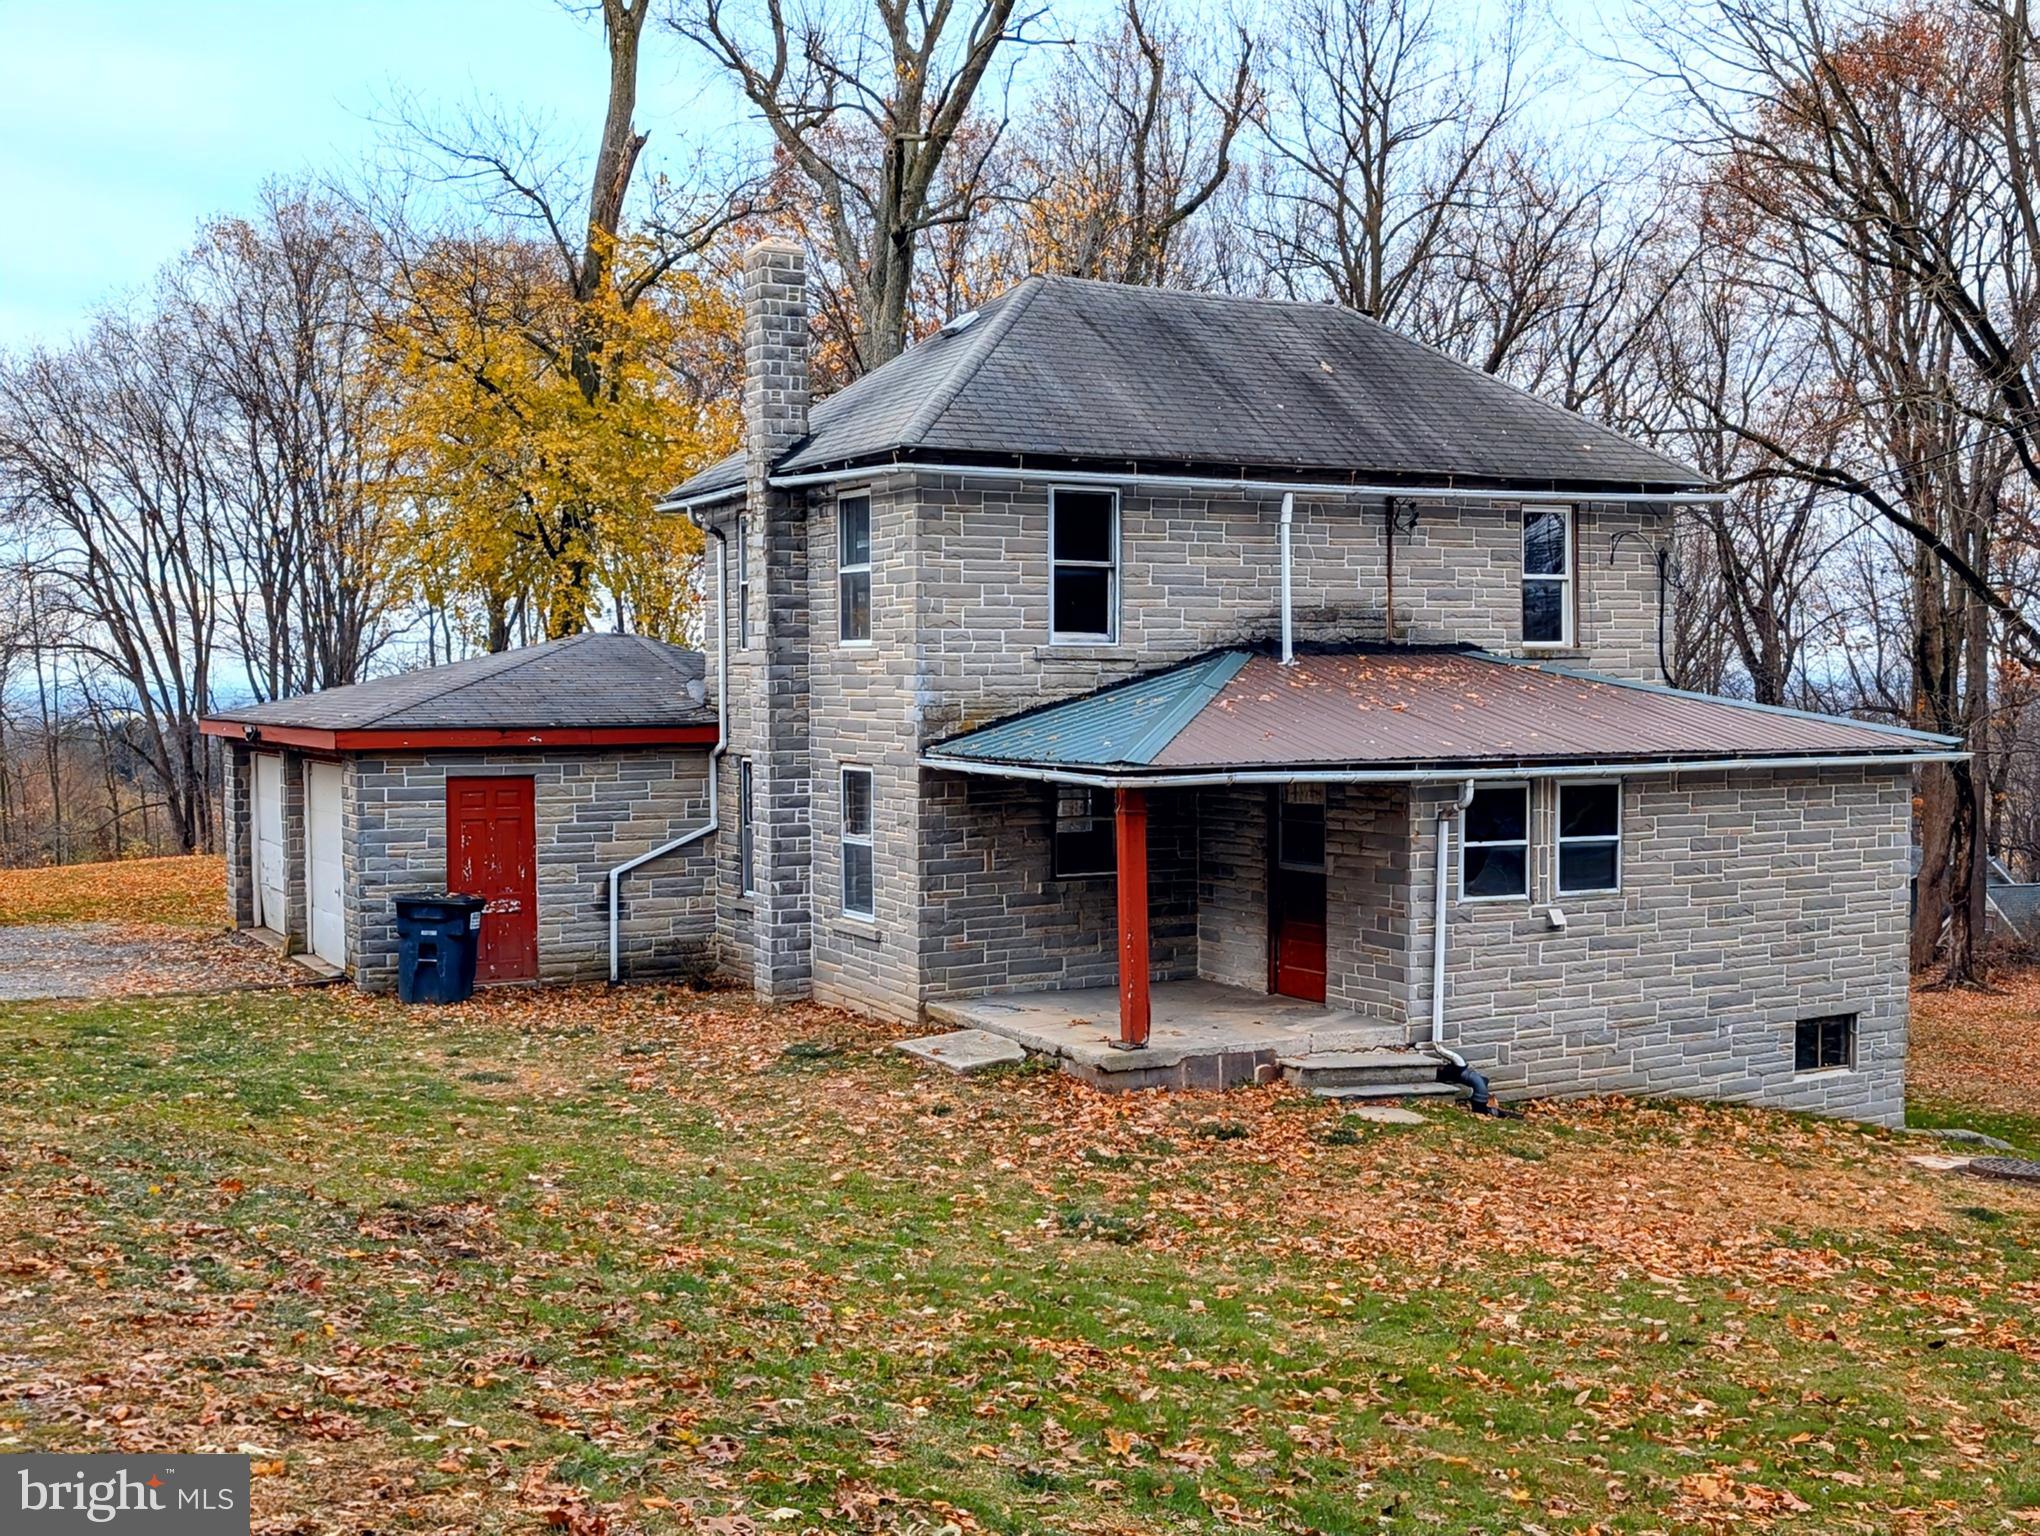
(124, 123)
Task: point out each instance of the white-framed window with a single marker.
(747, 844)
(1494, 844)
(856, 842)
(1589, 836)
(743, 583)
(1547, 576)
(853, 569)
(1085, 842)
(1083, 581)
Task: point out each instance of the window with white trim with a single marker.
(1083, 545)
(747, 878)
(1589, 837)
(1547, 575)
(853, 569)
(743, 583)
(1494, 844)
(1085, 840)
(856, 842)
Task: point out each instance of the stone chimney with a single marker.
(775, 353)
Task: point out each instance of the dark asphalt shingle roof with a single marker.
(585, 681)
(1067, 369)
(1402, 707)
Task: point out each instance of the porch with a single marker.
(1200, 1034)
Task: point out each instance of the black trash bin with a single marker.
(437, 937)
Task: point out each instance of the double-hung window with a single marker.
(1085, 835)
(743, 583)
(853, 569)
(1547, 576)
(856, 840)
(1083, 546)
(747, 846)
(1494, 844)
(1589, 838)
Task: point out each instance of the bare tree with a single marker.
(866, 107)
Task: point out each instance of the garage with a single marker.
(535, 779)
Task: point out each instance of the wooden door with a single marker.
(324, 868)
(1296, 899)
(492, 852)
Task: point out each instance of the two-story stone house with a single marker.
(1118, 656)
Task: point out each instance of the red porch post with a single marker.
(1129, 823)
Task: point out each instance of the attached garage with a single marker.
(524, 778)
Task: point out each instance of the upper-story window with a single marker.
(1083, 544)
(853, 569)
(1547, 575)
(743, 583)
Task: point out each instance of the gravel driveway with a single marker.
(52, 960)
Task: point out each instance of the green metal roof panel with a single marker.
(1130, 723)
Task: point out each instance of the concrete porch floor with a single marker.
(1201, 1034)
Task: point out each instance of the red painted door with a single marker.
(1296, 906)
(492, 852)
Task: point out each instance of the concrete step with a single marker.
(1339, 1069)
(963, 1050)
(1388, 1090)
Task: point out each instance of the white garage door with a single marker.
(322, 862)
(269, 912)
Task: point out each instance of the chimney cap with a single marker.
(776, 243)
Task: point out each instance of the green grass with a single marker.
(2022, 1131)
(506, 1267)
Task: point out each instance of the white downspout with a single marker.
(722, 741)
(1288, 518)
(1445, 814)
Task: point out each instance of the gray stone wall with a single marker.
(1748, 903)
(995, 919)
(238, 821)
(593, 811)
(1202, 571)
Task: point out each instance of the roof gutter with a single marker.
(1630, 768)
(1054, 476)
(722, 745)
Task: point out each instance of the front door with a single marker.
(491, 852)
(1296, 906)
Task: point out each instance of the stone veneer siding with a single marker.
(593, 811)
(1749, 902)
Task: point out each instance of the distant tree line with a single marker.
(429, 404)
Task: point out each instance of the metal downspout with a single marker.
(1438, 918)
(722, 741)
(1288, 517)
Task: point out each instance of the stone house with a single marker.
(1186, 683)
(567, 783)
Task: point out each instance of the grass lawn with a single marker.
(187, 892)
(666, 1262)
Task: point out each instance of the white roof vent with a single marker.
(962, 322)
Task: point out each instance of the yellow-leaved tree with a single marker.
(535, 427)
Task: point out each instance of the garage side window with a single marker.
(857, 850)
(1547, 576)
(747, 879)
(1083, 541)
(853, 569)
(1494, 844)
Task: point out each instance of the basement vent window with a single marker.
(1084, 836)
(1825, 1043)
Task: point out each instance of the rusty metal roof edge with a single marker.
(1579, 675)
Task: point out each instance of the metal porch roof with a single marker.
(1401, 708)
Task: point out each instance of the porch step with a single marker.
(1390, 1090)
(1350, 1069)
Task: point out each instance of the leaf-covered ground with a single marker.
(665, 1262)
(184, 892)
